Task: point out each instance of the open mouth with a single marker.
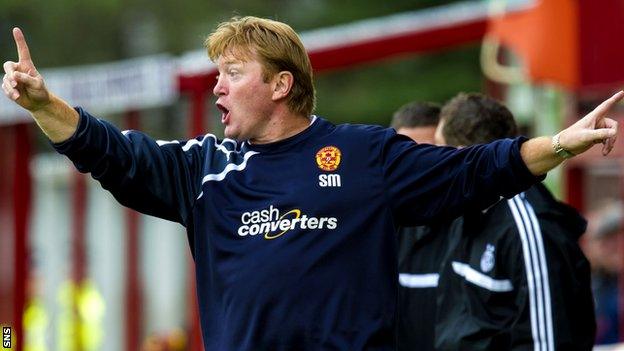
(225, 113)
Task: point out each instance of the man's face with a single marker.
(421, 135)
(244, 99)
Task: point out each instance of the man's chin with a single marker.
(232, 134)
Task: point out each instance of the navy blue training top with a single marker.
(294, 241)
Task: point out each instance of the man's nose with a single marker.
(219, 88)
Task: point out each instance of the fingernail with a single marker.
(13, 83)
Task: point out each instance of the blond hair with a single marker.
(278, 48)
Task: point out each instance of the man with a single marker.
(291, 224)
(603, 247)
(421, 248)
(417, 120)
(515, 279)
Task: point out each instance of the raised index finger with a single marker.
(22, 47)
(606, 105)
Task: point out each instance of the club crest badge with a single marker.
(487, 259)
(328, 158)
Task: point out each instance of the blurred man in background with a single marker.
(516, 278)
(603, 247)
(417, 120)
(421, 248)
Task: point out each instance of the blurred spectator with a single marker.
(82, 313)
(36, 319)
(172, 340)
(417, 120)
(420, 248)
(603, 248)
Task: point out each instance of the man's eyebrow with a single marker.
(229, 64)
(232, 61)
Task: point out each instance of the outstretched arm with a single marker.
(23, 84)
(594, 128)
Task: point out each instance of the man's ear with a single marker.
(282, 84)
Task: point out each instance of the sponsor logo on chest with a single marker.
(272, 223)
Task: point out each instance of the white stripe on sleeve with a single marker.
(479, 279)
(428, 280)
(536, 271)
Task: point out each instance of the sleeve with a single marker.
(573, 318)
(159, 179)
(558, 313)
(522, 330)
(427, 183)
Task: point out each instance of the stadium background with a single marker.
(78, 272)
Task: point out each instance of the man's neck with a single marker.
(282, 126)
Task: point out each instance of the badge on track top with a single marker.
(328, 158)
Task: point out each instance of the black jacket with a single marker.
(517, 280)
(487, 299)
(421, 256)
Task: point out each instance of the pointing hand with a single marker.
(22, 82)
